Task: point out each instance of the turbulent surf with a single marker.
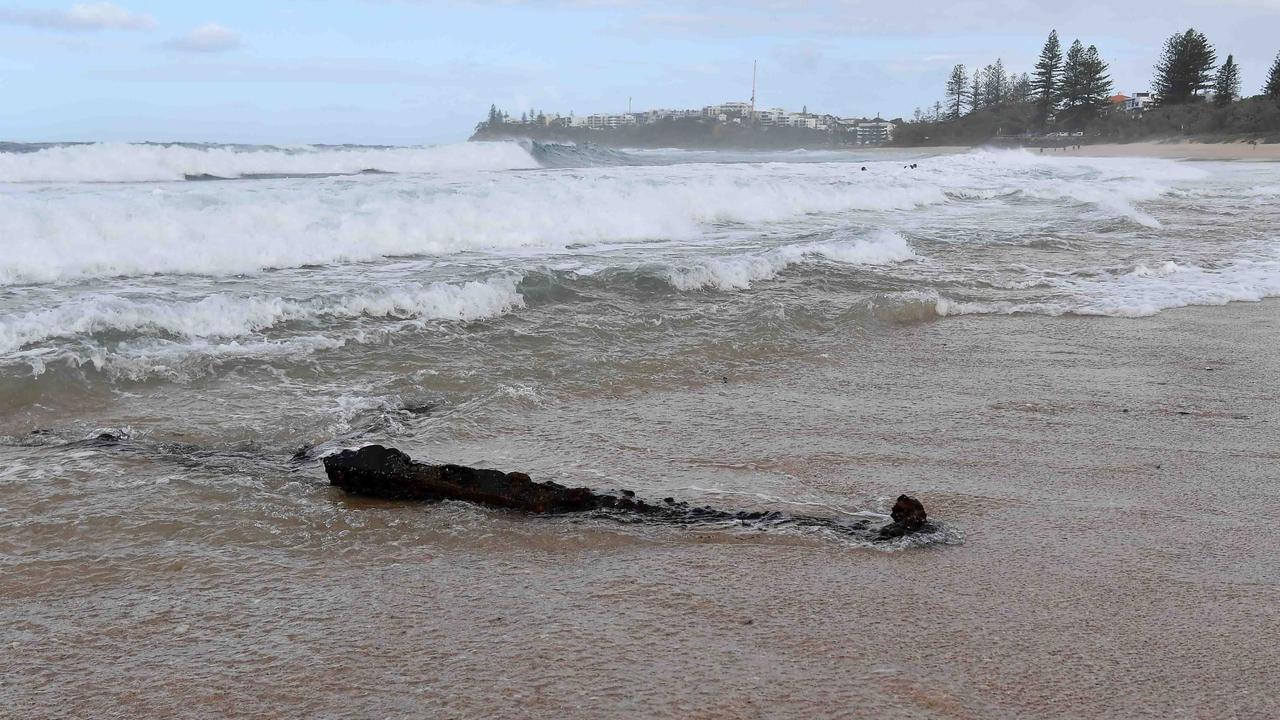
(321, 296)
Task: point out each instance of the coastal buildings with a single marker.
(1132, 104)
(1140, 102)
(610, 122)
(728, 111)
(846, 131)
(777, 117)
(874, 132)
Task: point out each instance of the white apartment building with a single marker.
(1140, 102)
(777, 117)
(727, 110)
(875, 132)
(770, 117)
(808, 122)
(652, 116)
(609, 122)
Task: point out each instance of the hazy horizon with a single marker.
(402, 72)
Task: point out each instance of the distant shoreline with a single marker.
(685, 136)
(1179, 150)
(798, 139)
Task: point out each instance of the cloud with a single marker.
(860, 18)
(336, 71)
(79, 18)
(208, 38)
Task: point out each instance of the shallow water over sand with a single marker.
(781, 335)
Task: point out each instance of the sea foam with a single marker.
(453, 204)
(1140, 292)
(231, 316)
(738, 272)
(68, 235)
(121, 162)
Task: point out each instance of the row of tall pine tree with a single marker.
(1069, 90)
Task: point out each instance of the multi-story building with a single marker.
(727, 110)
(1140, 102)
(602, 121)
(808, 122)
(875, 132)
(771, 117)
(777, 117)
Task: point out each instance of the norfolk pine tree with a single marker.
(976, 101)
(1085, 88)
(957, 92)
(1097, 81)
(995, 83)
(1272, 88)
(1048, 72)
(1185, 69)
(1226, 86)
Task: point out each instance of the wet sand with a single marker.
(1177, 151)
(1115, 482)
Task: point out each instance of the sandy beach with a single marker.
(1044, 352)
(1177, 151)
(1112, 481)
(639, 361)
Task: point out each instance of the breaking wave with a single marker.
(1140, 292)
(571, 155)
(245, 230)
(740, 271)
(122, 162)
(228, 316)
(150, 358)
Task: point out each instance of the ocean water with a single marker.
(186, 330)
(374, 277)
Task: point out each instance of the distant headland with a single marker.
(1067, 100)
(732, 125)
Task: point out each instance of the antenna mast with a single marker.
(753, 89)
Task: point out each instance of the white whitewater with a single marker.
(113, 259)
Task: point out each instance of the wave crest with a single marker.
(739, 272)
(124, 162)
(229, 316)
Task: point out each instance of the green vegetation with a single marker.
(1068, 100)
(957, 92)
(1048, 73)
(1186, 68)
(1256, 118)
(1085, 88)
(692, 133)
(974, 128)
(1272, 88)
(1226, 85)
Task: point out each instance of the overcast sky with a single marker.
(408, 72)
